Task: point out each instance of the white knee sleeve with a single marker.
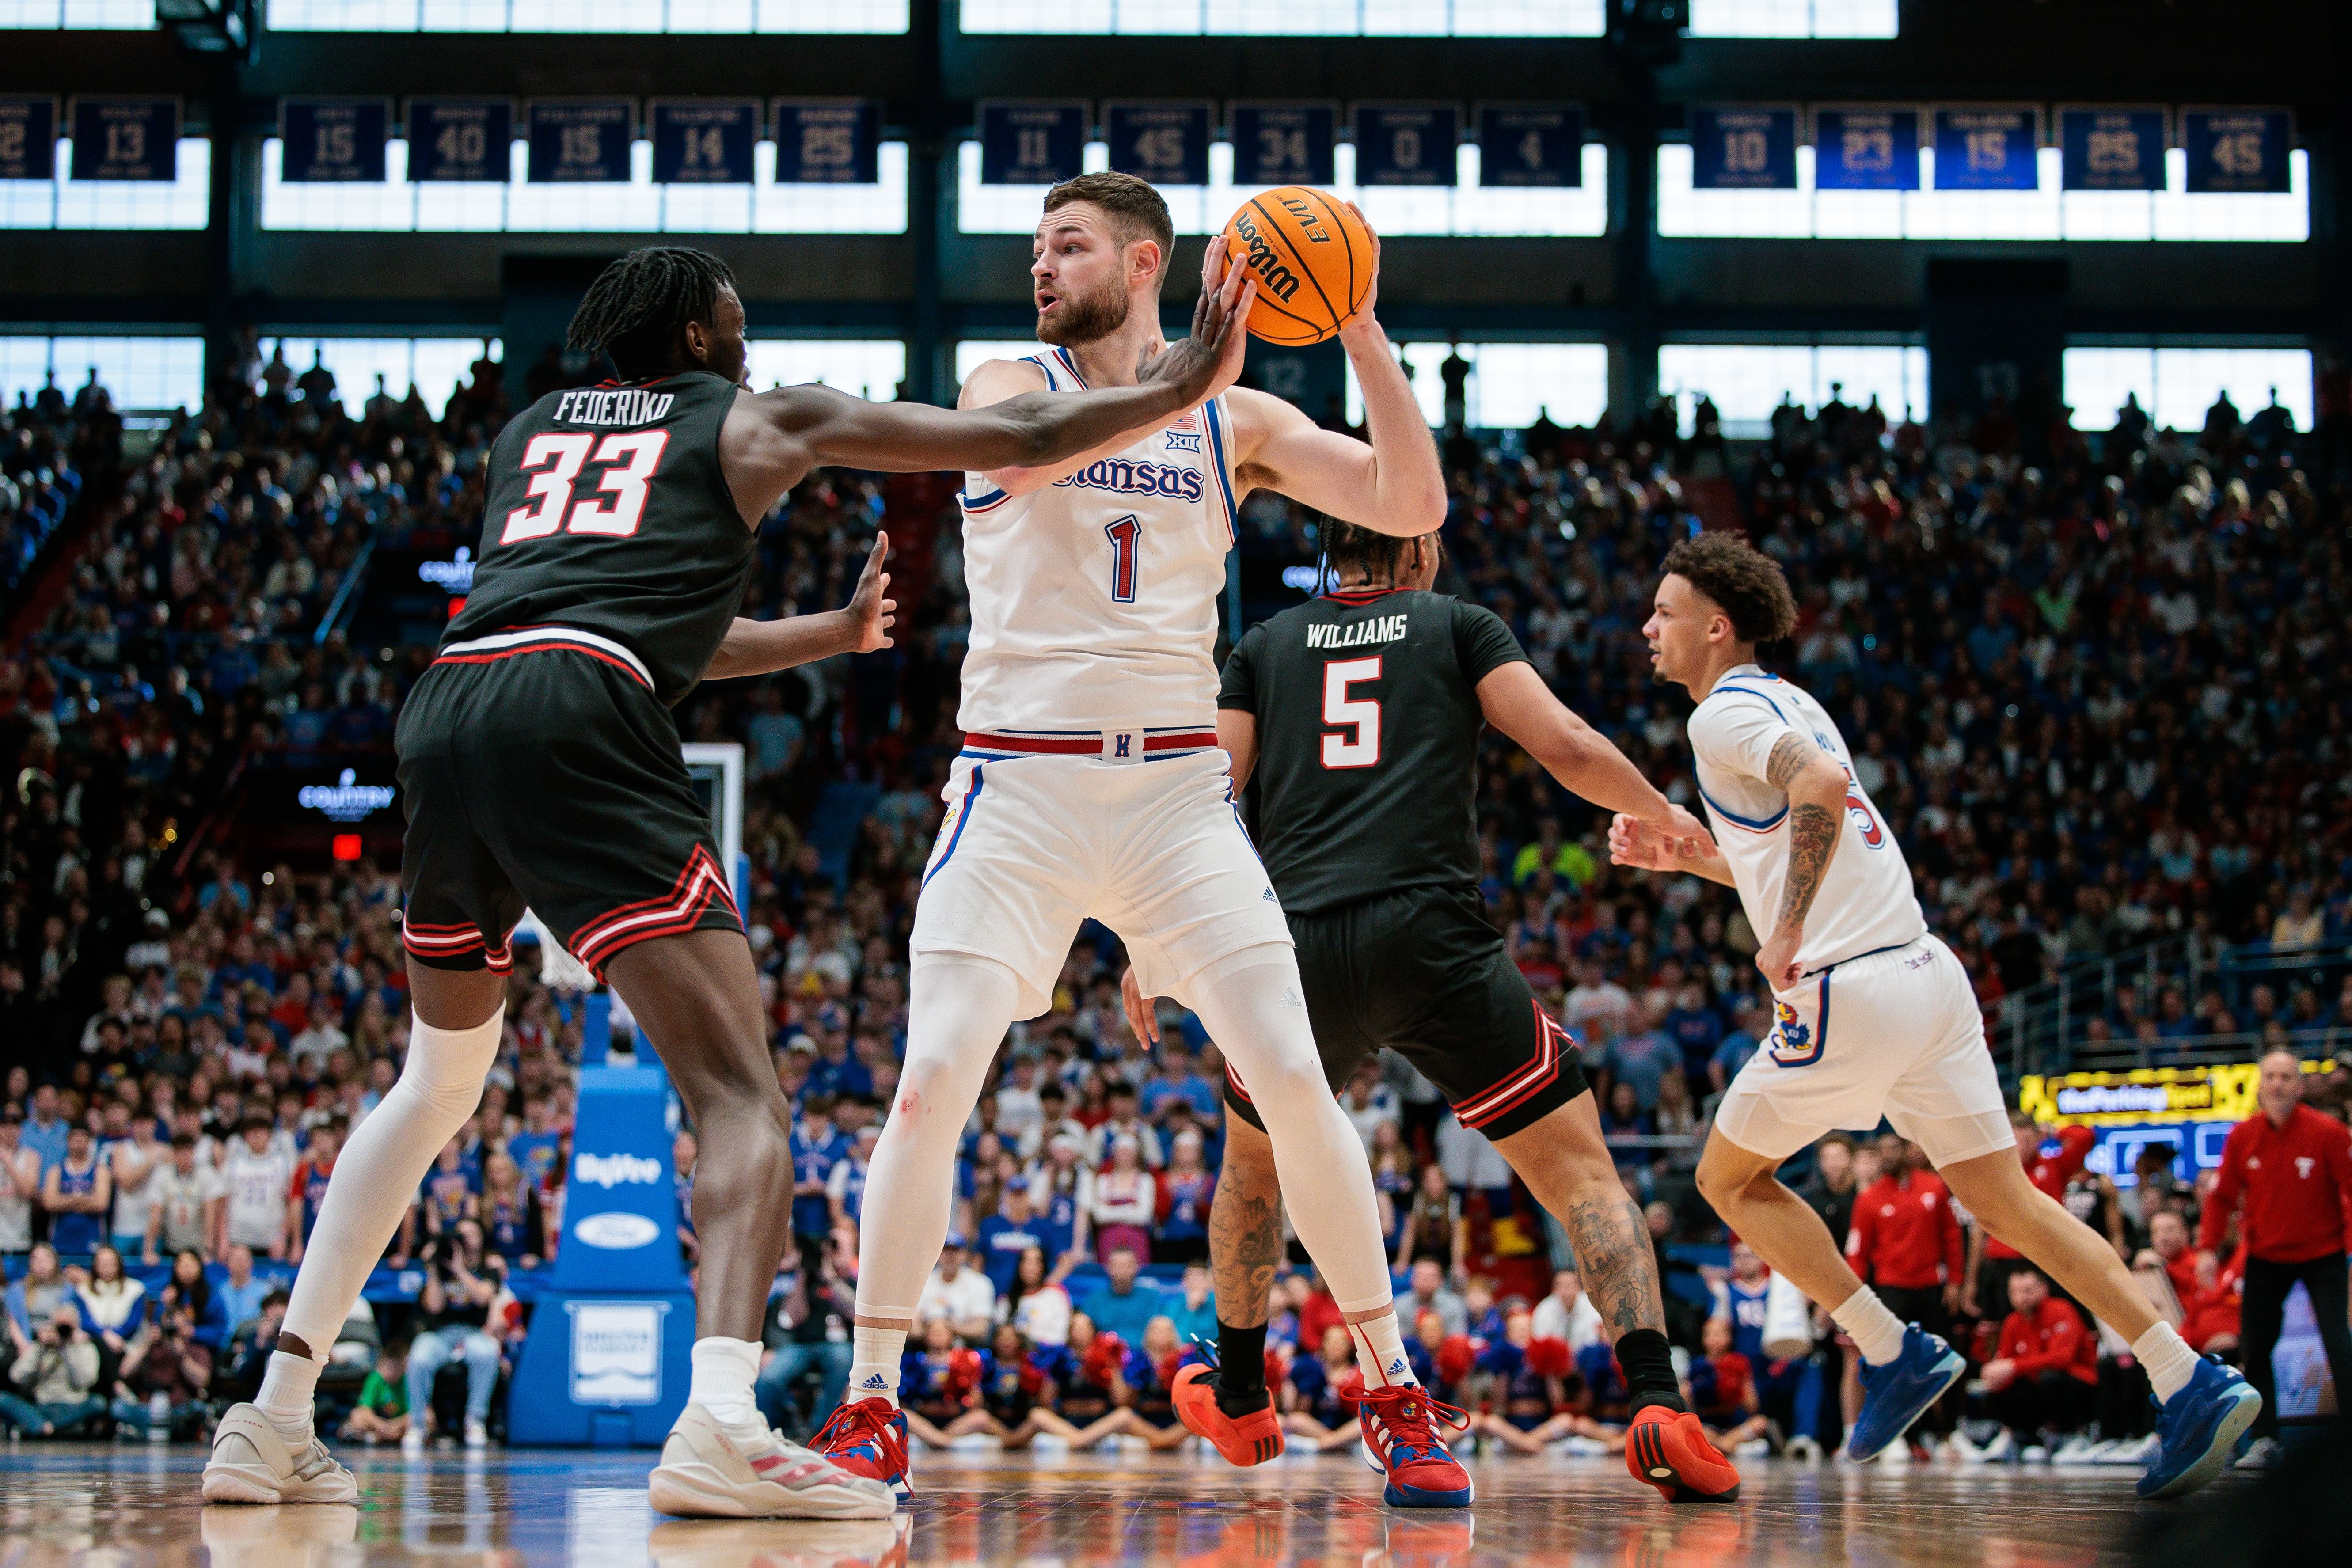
(1253, 1008)
(957, 1007)
(380, 1168)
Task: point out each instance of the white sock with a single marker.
(1875, 1331)
(874, 1362)
(1380, 1350)
(285, 1396)
(377, 1174)
(2167, 1357)
(722, 1381)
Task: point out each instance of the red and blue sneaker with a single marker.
(1401, 1440)
(868, 1437)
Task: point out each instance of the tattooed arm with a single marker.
(1816, 788)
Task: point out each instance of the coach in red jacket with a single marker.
(2047, 1373)
(2287, 1174)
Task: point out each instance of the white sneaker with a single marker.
(1755, 1449)
(1804, 1450)
(2033, 1453)
(2075, 1451)
(478, 1435)
(252, 1462)
(2001, 1450)
(1964, 1449)
(2133, 1451)
(411, 1442)
(748, 1472)
(2266, 1454)
(1897, 1453)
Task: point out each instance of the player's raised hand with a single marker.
(1141, 1016)
(868, 611)
(1371, 289)
(1210, 359)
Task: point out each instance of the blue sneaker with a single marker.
(2199, 1427)
(1896, 1394)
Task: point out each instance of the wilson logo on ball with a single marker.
(1313, 259)
(1274, 278)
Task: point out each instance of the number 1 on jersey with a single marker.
(1360, 715)
(1126, 534)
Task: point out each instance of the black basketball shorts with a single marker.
(1422, 973)
(548, 777)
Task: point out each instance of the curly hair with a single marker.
(638, 307)
(1746, 584)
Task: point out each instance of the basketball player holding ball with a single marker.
(1091, 782)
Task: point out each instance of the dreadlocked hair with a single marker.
(1349, 550)
(638, 307)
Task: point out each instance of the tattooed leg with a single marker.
(1564, 1162)
(1245, 1227)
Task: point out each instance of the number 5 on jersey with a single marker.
(1360, 716)
(633, 455)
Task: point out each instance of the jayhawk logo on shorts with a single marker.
(1793, 1042)
(1791, 1028)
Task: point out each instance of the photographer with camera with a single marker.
(460, 1283)
(58, 1369)
(168, 1375)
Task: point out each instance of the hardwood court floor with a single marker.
(134, 1507)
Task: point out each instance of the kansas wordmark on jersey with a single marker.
(1865, 902)
(1094, 600)
(1368, 724)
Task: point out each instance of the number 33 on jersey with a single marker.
(1124, 558)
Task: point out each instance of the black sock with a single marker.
(1241, 1369)
(1649, 1368)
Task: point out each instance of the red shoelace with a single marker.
(1411, 1416)
(852, 1424)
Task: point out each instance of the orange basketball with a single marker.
(1313, 259)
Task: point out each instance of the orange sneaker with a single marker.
(1668, 1449)
(1244, 1440)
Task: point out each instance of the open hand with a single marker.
(1210, 359)
(1635, 843)
(870, 614)
(1141, 1016)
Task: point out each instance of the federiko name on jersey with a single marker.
(1384, 628)
(623, 405)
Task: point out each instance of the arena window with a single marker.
(94, 15)
(62, 203)
(1509, 383)
(1466, 209)
(1747, 381)
(587, 16)
(138, 372)
(2176, 387)
(2045, 213)
(434, 367)
(868, 368)
(1793, 19)
(1301, 18)
(640, 206)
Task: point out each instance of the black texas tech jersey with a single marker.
(1368, 725)
(605, 510)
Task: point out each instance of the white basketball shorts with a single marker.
(1896, 1033)
(1152, 846)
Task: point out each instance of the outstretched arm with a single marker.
(1394, 485)
(1229, 290)
(758, 647)
(1516, 702)
(772, 439)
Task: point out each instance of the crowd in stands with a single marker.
(2088, 688)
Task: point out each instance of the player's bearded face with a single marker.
(1085, 314)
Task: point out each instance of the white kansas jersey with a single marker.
(1094, 601)
(1866, 903)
